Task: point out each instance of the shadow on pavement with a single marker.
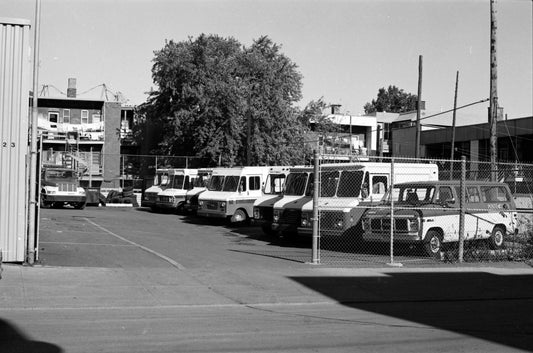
(13, 341)
(487, 306)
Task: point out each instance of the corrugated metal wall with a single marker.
(14, 109)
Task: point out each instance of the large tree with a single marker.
(392, 100)
(210, 87)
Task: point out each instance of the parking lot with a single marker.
(193, 241)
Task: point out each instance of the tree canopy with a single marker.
(208, 88)
(392, 100)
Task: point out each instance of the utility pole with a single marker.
(453, 125)
(418, 104)
(249, 136)
(493, 99)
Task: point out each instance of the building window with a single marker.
(97, 118)
(66, 116)
(84, 116)
(53, 117)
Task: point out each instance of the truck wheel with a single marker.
(240, 217)
(496, 238)
(267, 229)
(433, 243)
(180, 209)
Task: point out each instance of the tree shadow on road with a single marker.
(487, 306)
(12, 340)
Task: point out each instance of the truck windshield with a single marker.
(274, 184)
(165, 180)
(328, 183)
(231, 183)
(201, 181)
(177, 181)
(60, 174)
(296, 183)
(216, 183)
(160, 179)
(350, 183)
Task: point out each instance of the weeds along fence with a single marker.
(413, 211)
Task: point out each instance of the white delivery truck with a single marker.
(286, 212)
(199, 186)
(348, 189)
(272, 191)
(149, 196)
(232, 192)
(172, 198)
(61, 186)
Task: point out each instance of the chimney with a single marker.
(335, 108)
(71, 90)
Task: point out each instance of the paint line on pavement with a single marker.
(153, 252)
(73, 243)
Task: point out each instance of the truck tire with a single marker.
(433, 243)
(240, 217)
(496, 239)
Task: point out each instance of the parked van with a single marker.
(232, 192)
(272, 191)
(172, 198)
(286, 212)
(348, 189)
(161, 181)
(428, 213)
(199, 185)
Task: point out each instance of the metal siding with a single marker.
(14, 109)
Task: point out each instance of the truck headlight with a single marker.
(276, 216)
(413, 225)
(257, 213)
(306, 221)
(366, 224)
(223, 206)
(200, 204)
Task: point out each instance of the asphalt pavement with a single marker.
(168, 285)
(164, 281)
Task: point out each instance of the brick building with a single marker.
(85, 134)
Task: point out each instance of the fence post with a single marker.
(391, 228)
(316, 190)
(462, 209)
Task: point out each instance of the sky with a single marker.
(346, 50)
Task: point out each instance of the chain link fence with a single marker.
(138, 171)
(397, 211)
